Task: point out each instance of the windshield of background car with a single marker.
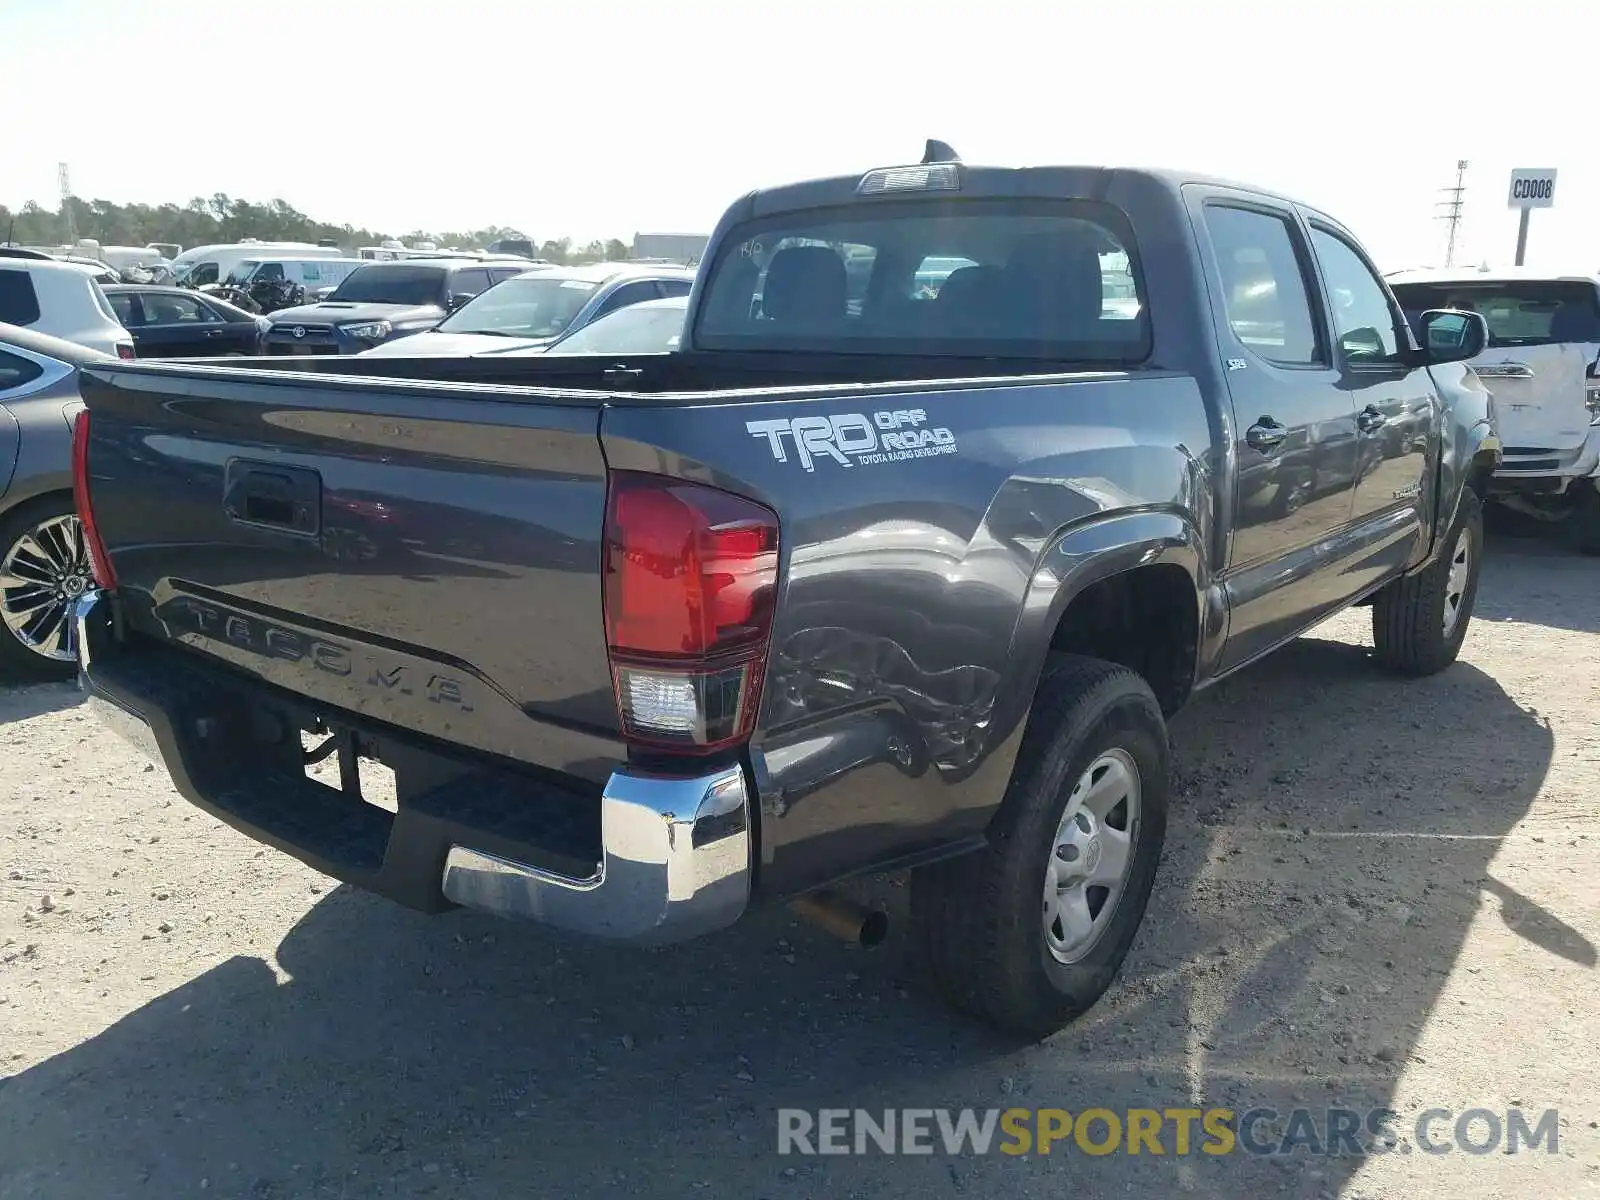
(1522, 313)
(391, 283)
(241, 271)
(538, 306)
(637, 329)
(989, 278)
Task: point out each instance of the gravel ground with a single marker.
(1376, 894)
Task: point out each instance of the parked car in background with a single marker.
(170, 322)
(100, 272)
(1541, 366)
(382, 301)
(520, 247)
(63, 300)
(125, 258)
(43, 566)
(530, 312)
(649, 327)
(212, 264)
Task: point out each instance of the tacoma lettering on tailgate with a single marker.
(214, 623)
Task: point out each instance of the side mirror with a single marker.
(457, 299)
(1449, 335)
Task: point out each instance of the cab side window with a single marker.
(1264, 285)
(1363, 321)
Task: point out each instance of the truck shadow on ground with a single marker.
(1326, 857)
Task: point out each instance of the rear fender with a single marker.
(1086, 554)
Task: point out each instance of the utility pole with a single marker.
(1455, 202)
(65, 180)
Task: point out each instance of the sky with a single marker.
(604, 118)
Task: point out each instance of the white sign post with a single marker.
(1531, 188)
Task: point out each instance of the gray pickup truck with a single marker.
(884, 568)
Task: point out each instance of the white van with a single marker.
(312, 274)
(1543, 368)
(211, 264)
(125, 257)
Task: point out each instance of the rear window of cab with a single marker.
(1046, 279)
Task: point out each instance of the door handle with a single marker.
(1370, 419)
(282, 498)
(1265, 435)
(213, 333)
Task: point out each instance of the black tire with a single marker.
(1408, 616)
(977, 919)
(1586, 519)
(17, 661)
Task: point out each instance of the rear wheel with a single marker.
(1030, 931)
(1419, 621)
(1586, 517)
(44, 568)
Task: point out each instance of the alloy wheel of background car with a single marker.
(1455, 587)
(45, 569)
(1091, 856)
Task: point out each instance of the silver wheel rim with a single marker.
(44, 571)
(1091, 856)
(1455, 585)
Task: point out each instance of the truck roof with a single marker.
(1043, 182)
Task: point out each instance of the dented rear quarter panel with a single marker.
(920, 587)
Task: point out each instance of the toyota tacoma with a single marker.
(884, 567)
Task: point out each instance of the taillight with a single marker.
(690, 578)
(125, 350)
(99, 560)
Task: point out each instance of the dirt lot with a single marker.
(1376, 894)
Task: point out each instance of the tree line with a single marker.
(225, 219)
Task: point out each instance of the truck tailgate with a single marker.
(419, 554)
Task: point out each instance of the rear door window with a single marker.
(1050, 279)
(1522, 313)
(125, 305)
(1264, 284)
(19, 303)
(628, 293)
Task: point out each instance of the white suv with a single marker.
(63, 300)
(1542, 365)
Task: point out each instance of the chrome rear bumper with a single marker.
(676, 864)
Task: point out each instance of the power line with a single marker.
(1453, 206)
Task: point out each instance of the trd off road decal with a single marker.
(851, 439)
